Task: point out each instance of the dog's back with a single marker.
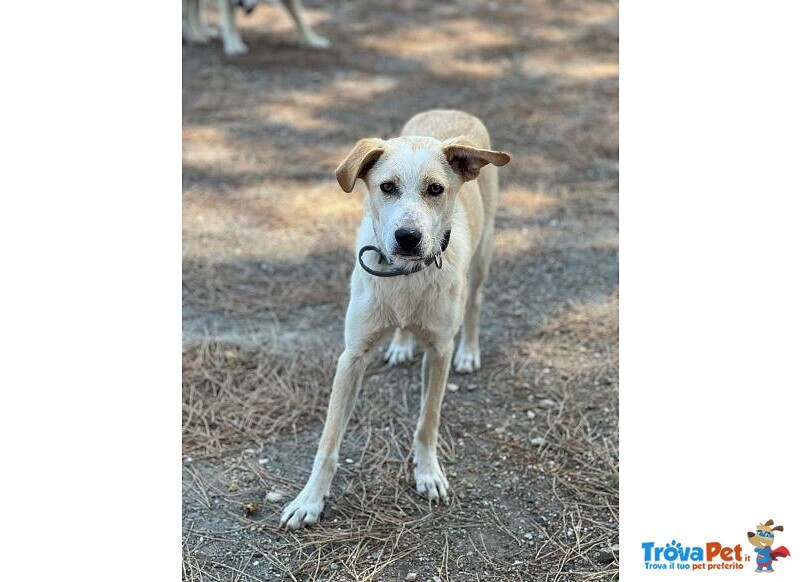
(444, 124)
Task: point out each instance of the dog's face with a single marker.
(412, 191)
(764, 536)
(413, 183)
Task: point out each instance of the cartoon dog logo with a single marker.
(763, 540)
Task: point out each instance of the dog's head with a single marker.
(413, 183)
(763, 537)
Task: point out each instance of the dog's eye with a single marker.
(435, 189)
(388, 187)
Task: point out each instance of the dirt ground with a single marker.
(529, 443)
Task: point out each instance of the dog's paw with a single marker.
(194, 36)
(317, 42)
(304, 510)
(234, 46)
(399, 352)
(431, 482)
(467, 360)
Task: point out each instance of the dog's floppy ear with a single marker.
(467, 160)
(358, 161)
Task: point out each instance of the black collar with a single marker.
(437, 259)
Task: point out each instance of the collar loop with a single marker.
(436, 259)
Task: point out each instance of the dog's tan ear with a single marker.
(358, 162)
(467, 160)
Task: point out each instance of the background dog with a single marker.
(196, 29)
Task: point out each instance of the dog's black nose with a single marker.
(407, 239)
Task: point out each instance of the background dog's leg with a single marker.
(430, 479)
(195, 30)
(232, 41)
(210, 31)
(401, 348)
(307, 506)
(295, 10)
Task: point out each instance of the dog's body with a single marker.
(232, 43)
(763, 539)
(427, 193)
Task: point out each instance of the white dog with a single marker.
(196, 30)
(423, 253)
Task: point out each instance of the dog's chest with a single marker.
(414, 306)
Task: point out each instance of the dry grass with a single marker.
(233, 397)
(244, 407)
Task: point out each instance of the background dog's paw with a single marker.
(467, 360)
(399, 352)
(432, 483)
(317, 42)
(192, 35)
(234, 46)
(304, 510)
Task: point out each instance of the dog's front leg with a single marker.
(430, 479)
(307, 506)
(232, 42)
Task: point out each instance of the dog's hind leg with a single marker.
(430, 479)
(232, 42)
(211, 31)
(195, 28)
(468, 354)
(401, 348)
(311, 38)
